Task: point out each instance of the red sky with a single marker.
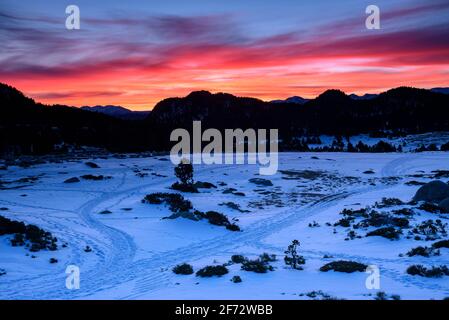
(135, 61)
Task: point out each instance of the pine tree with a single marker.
(184, 172)
(292, 258)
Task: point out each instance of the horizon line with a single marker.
(132, 108)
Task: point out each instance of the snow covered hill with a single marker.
(133, 249)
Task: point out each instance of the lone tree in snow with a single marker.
(292, 258)
(184, 172)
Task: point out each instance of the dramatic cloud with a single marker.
(138, 60)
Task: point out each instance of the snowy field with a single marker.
(134, 249)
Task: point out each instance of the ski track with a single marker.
(115, 250)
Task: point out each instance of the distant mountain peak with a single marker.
(118, 112)
(332, 96)
(199, 94)
(110, 108)
(440, 90)
(404, 91)
(292, 100)
(366, 96)
(332, 93)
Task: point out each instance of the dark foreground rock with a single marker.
(444, 205)
(434, 191)
(72, 180)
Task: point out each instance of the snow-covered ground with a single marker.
(134, 250)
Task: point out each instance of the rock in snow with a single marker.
(444, 204)
(72, 180)
(434, 191)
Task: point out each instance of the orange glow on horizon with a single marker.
(142, 92)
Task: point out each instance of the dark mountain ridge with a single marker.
(402, 109)
(30, 127)
(33, 128)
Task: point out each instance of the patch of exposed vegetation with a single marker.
(211, 271)
(217, 218)
(376, 219)
(182, 208)
(389, 202)
(261, 182)
(304, 174)
(423, 251)
(437, 174)
(431, 229)
(344, 266)
(317, 295)
(387, 232)
(184, 187)
(352, 235)
(234, 206)
(30, 236)
(389, 225)
(433, 272)
(175, 201)
(344, 222)
(432, 208)
(403, 212)
(381, 295)
(233, 227)
(237, 258)
(183, 268)
(259, 265)
(360, 213)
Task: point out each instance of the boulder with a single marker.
(92, 165)
(72, 180)
(434, 191)
(444, 205)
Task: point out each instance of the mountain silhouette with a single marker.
(33, 128)
(294, 100)
(118, 112)
(30, 127)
